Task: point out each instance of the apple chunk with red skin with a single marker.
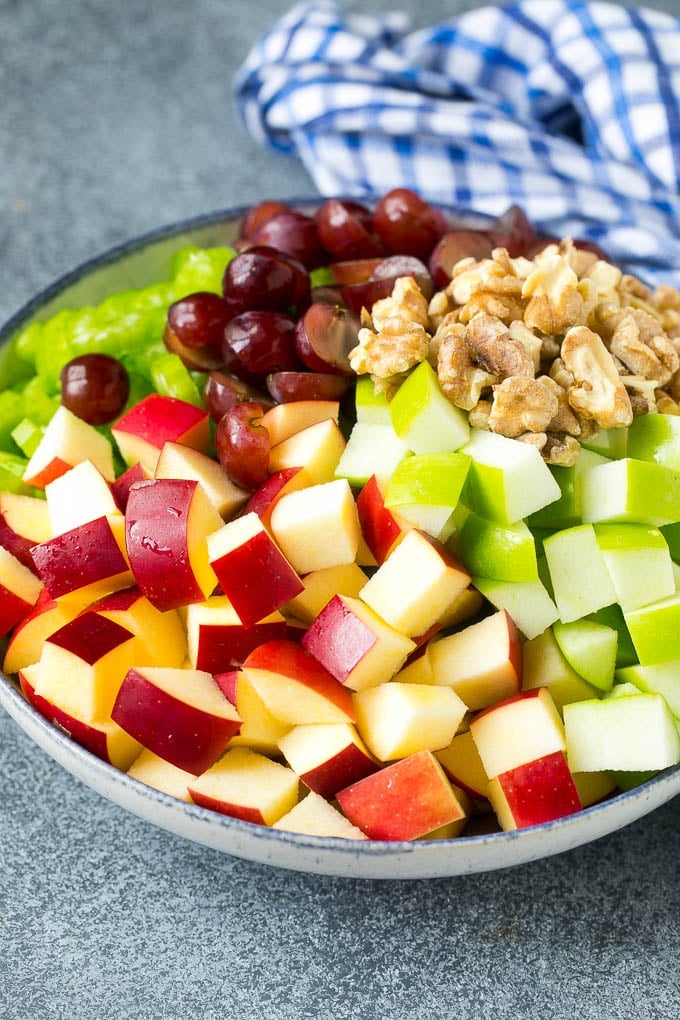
(160, 638)
(103, 737)
(265, 498)
(404, 801)
(380, 527)
(217, 639)
(179, 714)
(28, 637)
(260, 730)
(67, 441)
(327, 757)
(86, 562)
(19, 591)
(482, 663)
(153, 771)
(167, 522)
(177, 460)
(157, 419)
(296, 688)
(537, 792)
(517, 731)
(247, 785)
(356, 647)
(314, 816)
(251, 569)
(24, 522)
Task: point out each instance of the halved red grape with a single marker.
(454, 246)
(257, 214)
(381, 283)
(259, 342)
(242, 445)
(262, 277)
(324, 336)
(295, 233)
(346, 230)
(354, 270)
(221, 392)
(407, 224)
(513, 231)
(94, 387)
(287, 386)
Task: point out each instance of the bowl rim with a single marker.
(587, 825)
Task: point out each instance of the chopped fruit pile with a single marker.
(368, 528)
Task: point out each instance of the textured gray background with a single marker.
(116, 118)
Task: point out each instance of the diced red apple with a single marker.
(415, 584)
(482, 663)
(160, 638)
(179, 714)
(19, 591)
(318, 526)
(177, 460)
(296, 688)
(404, 801)
(396, 720)
(317, 449)
(120, 489)
(537, 792)
(168, 521)
(517, 731)
(284, 420)
(25, 643)
(321, 585)
(246, 785)
(67, 441)
(157, 419)
(380, 527)
(327, 757)
(356, 647)
(260, 730)
(24, 522)
(78, 496)
(314, 816)
(87, 562)
(153, 771)
(218, 641)
(264, 499)
(251, 568)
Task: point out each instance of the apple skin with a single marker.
(120, 489)
(422, 416)
(219, 641)
(404, 801)
(264, 499)
(25, 644)
(166, 522)
(157, 419)
(182, 733)
(380, 527)
(160, 638)
(24, 522)
(247, 785)
(327, 758)
(535, 793)
(87, 557)
(13, 609)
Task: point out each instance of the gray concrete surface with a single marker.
(116, 118)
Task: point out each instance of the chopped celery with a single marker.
(171, 378)
(27, 435)
(200, 269)
(27, 343)
(321, 277)
(12, 468)
(38, 403)
(11, 413)
(13, 367)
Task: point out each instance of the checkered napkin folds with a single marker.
(569, 109)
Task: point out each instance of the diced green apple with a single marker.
(506, 552)
(425, 489)
(544, 665)
(661, 678)
(578, 573)
(632, 734)
(372, 449)
(610, 443)
(639, 563)
(655, 630)
(655, 437)
(371, 406)
(507, 480)
(612, 616)
(565, 512)
(631, 490)
(422, 416)
(527, 602)
(590, 649)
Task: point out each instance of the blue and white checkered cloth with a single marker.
(569, 109)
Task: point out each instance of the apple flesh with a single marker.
(318, 526)
(517, 731)
(160, 637)
(67, 441)
(314, 816)
(19, 591)
(527, 602)
(142, 431)
(661, 678)
(631, 490)
(328, 757)
(370, 450)
(462, 764)
(218, 640)
(422, 416)
(381, 528)
(284, 420)
(404, 801)
(26, 641)
(24, 522)
(425, 489)
(246, 785)
(590, 649)
(544, 665)
(655, 630)
(321, 585)
(77, 497)
(482, 662)
(579, 576)
(260, 730)
(639, 563)
(539, 791)
(177, 460)
(630, 733)
(317, 449)
(397, 719)
(153, 771)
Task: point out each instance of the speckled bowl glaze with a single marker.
(137, 263)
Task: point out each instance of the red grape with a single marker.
(454, 246)
(286, 386)
(261, 277)
(406, 224)
(198, 320)
(346, 230)
(242, 445)
(324, 336)
(221, 392)
(295, 233)
(381, 283)
(94, 387)
(513, 231)
(259, 342)
(257, 214)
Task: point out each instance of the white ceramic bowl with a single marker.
(134, 264)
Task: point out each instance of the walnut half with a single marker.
(598, 392)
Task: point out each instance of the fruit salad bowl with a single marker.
(481, 847)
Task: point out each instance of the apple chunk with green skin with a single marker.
(632, 734)
(422, 416)
(579, 576)
(157, 419)
(370, 405)
(327, 758)
(639, 563)
(179, 714)
(355, 645)
(566, 512)
(404, 801)
(544, 665)
(296, 688)
(631, 490)
(160, 638)
(177, 460)
(381, 528)
(85, 563)
(661, 678)
(153, 771)
(397, 719)
(246, 785)
(528, 603)
(67, 441)
(507, 480)
(517, 731)
(370, 450)
(482, 662)
(590, 649)
(24, 522)
(80, 495)
(19, 591)
(252, 570)
(415, 585)
(656, 438)
(425, 489)
(535, 793)
(167, 522)
(82, 666)
(314, 816)
(655, 630)
(505, 552)
(103, 737)
(217, 638)
(318, 526)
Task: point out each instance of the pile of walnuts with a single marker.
(546, 350)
